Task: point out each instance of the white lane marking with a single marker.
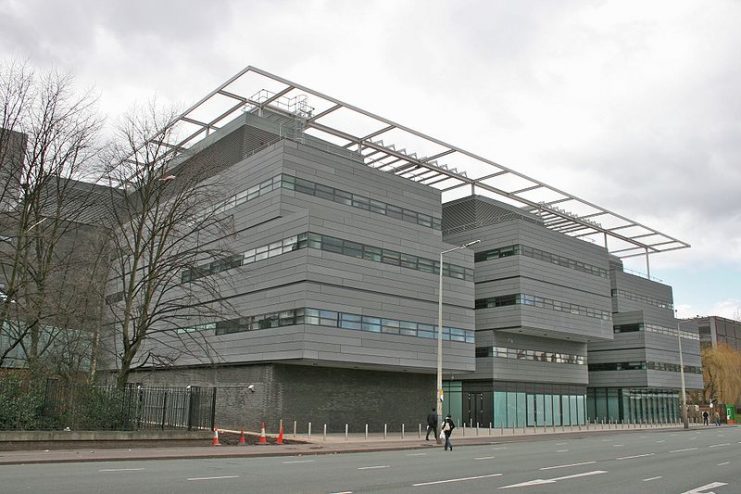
(297, 461)
(682, 450)
(457, 480)
(374, 467)
(618, 445)
(485, 458)
(699, 490)
(561, 444)
(634, 456)
(562, 451)
(343, 492)
(719, 445)
(652, 478)
(724, 463)
(216, 478)
(417, 454)
(505, 447)
(662, 441)
(569, 465)
(121, 470)
(554, 480)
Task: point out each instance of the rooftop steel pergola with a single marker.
(394, 148)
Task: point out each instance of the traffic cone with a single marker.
(215, 441)
(280, 434)
(263, 437)
(242, 442)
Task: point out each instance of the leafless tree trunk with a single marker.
(164, 229)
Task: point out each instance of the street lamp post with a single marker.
(685, 420)
(439, 393)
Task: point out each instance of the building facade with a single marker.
(714, 331)
(332, 283)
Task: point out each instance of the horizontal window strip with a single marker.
(532, 252)
(541, 302)
(358, 201)
(343, 320)
(290, 182)
(329, 244)
(533, 355)
(643, 365)
(653, 328)
(637, 297)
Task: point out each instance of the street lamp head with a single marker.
(469, 244)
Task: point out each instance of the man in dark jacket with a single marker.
(431, 425)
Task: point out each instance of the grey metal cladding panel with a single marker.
(521, 341)
(637, 378)
(527, 371)
(565, 293)
(630, 317)
(673, 380)
(545, 239)
(637, 284)
(383, 304)
(560, 276)
(635, 339)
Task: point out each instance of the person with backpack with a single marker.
(448, 426)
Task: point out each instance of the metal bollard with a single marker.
(346, 433)
(464, 429)
(366, 432)
(385, 431)
(419, 431)
(309, 430)
(402, 431)
(490, 428)
(324, 434)
(294, 429)
(477, 428)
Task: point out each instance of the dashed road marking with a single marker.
(569, 465)
(724, 463)
(652, 478)
(417, 454)
(562, 451)
(457, 480)
(374, 467)
(485, 458)
(618, 445)
(121, 470)
(662, 441)
(297, 461)
(719, 445)
(634, 456)
(682, 450)
(215, 478)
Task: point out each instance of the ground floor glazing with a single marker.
(632, 405)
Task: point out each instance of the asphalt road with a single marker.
(696, 461)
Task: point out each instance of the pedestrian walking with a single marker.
(717, 419)
(447, 430)
(431, 425)
(705, 416)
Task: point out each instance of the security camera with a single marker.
(251, 387)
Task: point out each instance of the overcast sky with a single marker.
(634, 106)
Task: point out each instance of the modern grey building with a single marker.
(340, 218)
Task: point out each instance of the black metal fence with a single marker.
(59, 405)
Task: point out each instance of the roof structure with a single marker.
(394, 148)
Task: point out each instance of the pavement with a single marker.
(322, 444)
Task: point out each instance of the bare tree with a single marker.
(164, 237)
(48, 142)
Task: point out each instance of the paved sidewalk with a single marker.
(316, 444)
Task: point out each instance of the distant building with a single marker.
(715, 330)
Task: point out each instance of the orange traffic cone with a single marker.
(242, 442)
(263, 437)
(280, 434)
(215, 441)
